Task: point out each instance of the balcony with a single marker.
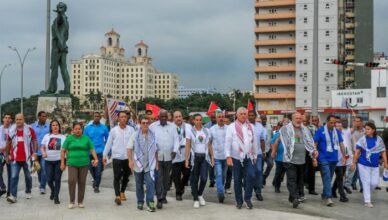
(275, 69)
(275, 55)
(349, 25)
(349, 36)
(275, 42)
(349, 14)
(275, 16)
(274, 82)
(273, 3)
(271, 29)
(349, 57)
(283, 95)
(349, 46)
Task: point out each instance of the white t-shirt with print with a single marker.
(53, 144)
(199, 140)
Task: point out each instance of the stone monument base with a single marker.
(57, 107)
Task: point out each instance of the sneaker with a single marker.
(56, 201)
(259, 197)
(42, 191)
(348, 191)
(118, 200)
(248, 204)
(302, 199)
(228, 191)
(159, 204)
(96, 190)
(52, 196)
(239, 206)
(212, 183)
(11, 199)
(151, 207)
(313, 193)
(295, 203)
(140, 206)
(202, 201)
(196, 204)
(369, 205)
(164, 201)
(343, 199)
(81, 205)
(221, 198)
(329, 202)
(28, 196)
(71, 206)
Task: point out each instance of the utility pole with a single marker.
(315, 82)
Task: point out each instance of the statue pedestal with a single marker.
(57, 107)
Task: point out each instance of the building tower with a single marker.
(112, 46)
(141, 54)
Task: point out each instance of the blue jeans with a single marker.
(2, 184)
(42, 173)
(327, 171)
(141, 178)
(220, 168)
(269, 161)
(54, 175)
(243, 170)
(259, 174)
(96, 172)
(15, 171)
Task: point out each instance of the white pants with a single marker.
(370, 178)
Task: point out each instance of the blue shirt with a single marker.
(280, 151)
(320, 138)
(98, 134)
(40, 131)
(374, 158)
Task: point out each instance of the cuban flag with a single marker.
(114, 107)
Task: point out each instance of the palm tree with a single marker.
(91, 97)
(98, 98)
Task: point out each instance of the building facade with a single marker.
(284, 50)
(111, 73)
(186, 92)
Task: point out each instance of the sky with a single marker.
(206, 43)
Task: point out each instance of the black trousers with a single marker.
(309, 177)
(280, 171)
(199, 174)
(180, 176)
(229, 176)
(294, 180)
(163, 179)
(339, 181)
(121, 173)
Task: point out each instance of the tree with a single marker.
(75, 103)
(91, 99)
(98, 99)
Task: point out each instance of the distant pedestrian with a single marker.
(76, 149)
(4, 129)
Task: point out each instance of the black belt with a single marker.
(199, 154)
(182, 146)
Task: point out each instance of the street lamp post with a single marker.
(1, 76)
(21, 66)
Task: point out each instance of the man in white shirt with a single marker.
(241, 154)
(118, 141)
(260, 133)
(217, 141)
(198, 142)
(180, 174)
(166, 141)
(7, 120)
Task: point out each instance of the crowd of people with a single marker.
(168, 150)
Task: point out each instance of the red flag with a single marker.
(212, 108)
(250, 106)
(154, 108)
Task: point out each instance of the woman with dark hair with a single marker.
(77, 147)
(369, 148)
(51, 152)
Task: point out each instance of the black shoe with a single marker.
(334, 194)
(164, 201)
(2, 192)
(378, 188)
(221, 198)
(354, 187)
(239, 206)
(264, 182)
(361, 190)
(348, 191)
(52, 196)
(313, 193)
(277, 190)
(344, 199)
(295, 204)
(259, 197)
(212, 183)
(56, 201)
(386, 189)
(178, 198)
(96, 190)
(249, 204)
(159, 204)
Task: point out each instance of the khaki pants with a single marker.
(77, 175)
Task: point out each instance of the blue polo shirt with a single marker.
(280, 151)
(40, 131)
(98, 134)
(320, 138)
(374, 158)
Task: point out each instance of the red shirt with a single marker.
(21, 153)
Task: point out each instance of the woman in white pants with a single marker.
(369, 148)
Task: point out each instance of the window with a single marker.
(327, 6)
(304, 7)
(305, 61)
(327, 19)
(305, 34)
(272, 23)
(272, 63)
(272, 50)
(305, 47)
(272, 76)
(273, 10)
(272, 36)
(272, 90)
(381, 92)
(305, 89)
(290, 22)
(305, 20)
(327, 88)
(327, 33)
(360, 100)
(327, 47)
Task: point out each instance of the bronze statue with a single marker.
(60, 34)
